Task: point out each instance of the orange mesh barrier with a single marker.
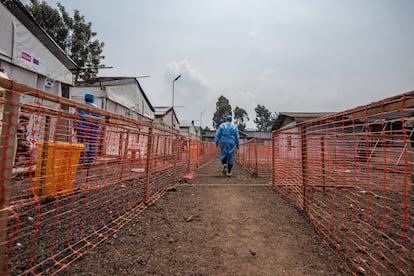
(256, 156)
(352, 173)
(68, 182)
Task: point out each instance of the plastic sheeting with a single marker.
(27, 51)
(123, 97)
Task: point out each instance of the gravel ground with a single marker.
(214, 225)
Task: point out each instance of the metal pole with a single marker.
(172, 107)
(172, 103)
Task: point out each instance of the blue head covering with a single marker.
(89, 98)
(229, 118)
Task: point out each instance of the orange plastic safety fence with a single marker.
(256, 156)
(72, 175)
(353, 174)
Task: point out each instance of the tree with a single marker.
(51, 21)
(240, 117)
(73, 35)
(223, 108)
(264, 118)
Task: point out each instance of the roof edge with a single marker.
(20, 11)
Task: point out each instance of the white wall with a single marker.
(26, 59)
(125, 100)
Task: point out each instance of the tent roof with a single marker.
(162, 110)
(115, 81)
(24, 16)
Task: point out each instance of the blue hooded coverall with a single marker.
(227, 136)
(87, 132)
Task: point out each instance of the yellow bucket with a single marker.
(62, 160)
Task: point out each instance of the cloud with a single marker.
(191, 77)
(191, 90)
(287, 55)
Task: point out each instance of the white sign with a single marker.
(49, 83)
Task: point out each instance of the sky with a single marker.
(288, 55)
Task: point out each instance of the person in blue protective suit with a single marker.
(87, 132)
(227, 137)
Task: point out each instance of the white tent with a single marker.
(121, 95)
(28, 54)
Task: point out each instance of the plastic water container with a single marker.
(61, 164)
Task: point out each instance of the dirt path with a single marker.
(214, 225)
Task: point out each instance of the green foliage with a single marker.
(73, 35)
(223, 108)
(264, 118)
(240, 117)
(51, 21)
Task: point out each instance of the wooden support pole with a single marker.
(323, 162)
(304, 165)
(189, 156)
(198, 155)
(121, 145)
(175, 148)
(148, 165)
(410, 157)
(124, 141)
(273, 159)
(43, 156)
(256, 168)
(7, 150)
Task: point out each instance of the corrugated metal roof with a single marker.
(304, 114)
(297, 117)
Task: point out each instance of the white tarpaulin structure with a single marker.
(165, 116)
(30, 56)
(121, 95)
